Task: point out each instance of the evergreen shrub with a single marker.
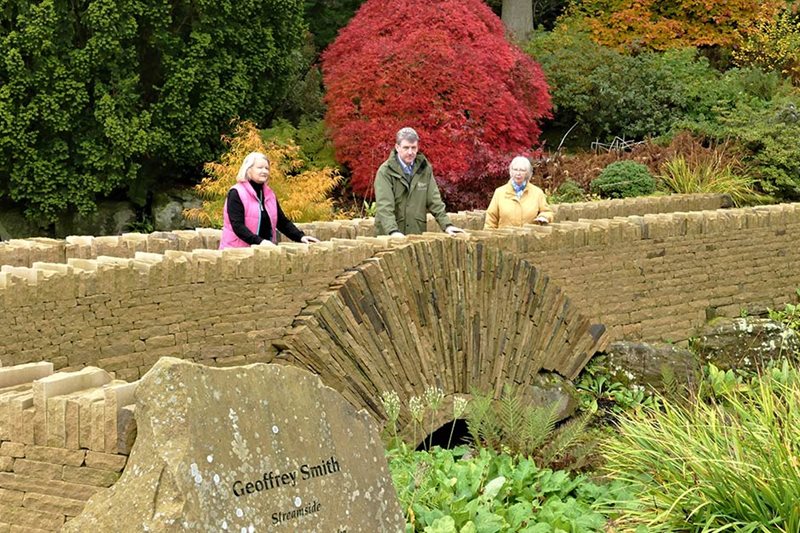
(624, 179)
(102, 97)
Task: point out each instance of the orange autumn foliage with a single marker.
(632, 25)
(303, 194)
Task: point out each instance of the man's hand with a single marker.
(308, 239)
(266, 243)
(541, 220)
(453, 230)
(396, 234)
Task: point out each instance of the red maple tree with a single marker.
(444, 68)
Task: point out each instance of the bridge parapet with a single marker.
(25, 252)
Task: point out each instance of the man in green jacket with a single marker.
(405, 191)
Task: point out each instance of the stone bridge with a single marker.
(373, 314)
(368, 314)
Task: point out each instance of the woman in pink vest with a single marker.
(252, 214)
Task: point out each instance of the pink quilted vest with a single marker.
(252, 215)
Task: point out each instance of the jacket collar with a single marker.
(419, 163)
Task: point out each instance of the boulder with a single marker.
(548, 388)
(168, 209)
(641, 363)
(746, 342)
(110, 218)
(253, 448)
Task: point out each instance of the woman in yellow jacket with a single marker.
(518, 202)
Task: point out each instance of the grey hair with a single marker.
(406, 134)
(248, 162)
(522, 160)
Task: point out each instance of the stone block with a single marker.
(106, 461)
(90, 476)
(11, 497)
(25, 373)
(53, 504)
(60, 384)
(19, 516)
(53, 487)
(58, 456)
(36, 469)
(116, 396)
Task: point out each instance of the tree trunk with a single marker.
(518, 17)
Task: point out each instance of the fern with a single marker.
(480, 408)
(669, 381)
(512, 419)
(539, 425)
(567, 435)
(511, 424)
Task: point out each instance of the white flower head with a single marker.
(417, 408)
(391, 404)
(459, 406)
(434, 397)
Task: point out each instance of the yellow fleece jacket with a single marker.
(506, 210)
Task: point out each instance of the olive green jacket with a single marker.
(402, 206)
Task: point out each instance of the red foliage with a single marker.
(444, 68)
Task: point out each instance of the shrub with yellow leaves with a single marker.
(303, 193)
(773, 45)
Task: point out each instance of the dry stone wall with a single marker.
(645, 277)
(120, 314)
(659, 277)
(63, 437)
(105, 309)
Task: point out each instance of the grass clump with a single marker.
(711, 171)
(726, 462)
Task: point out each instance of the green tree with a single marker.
(326, 17)
(103, 95)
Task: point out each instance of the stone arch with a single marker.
(442, 312)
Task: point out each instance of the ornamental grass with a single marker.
(727, 463)
(713, 171)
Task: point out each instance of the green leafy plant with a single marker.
(600, 391)
(720, 383)
(789, 316)
(623, 179)
(606, 93)
(768, 133)
(99, 97)
(453, 491)
(567, 193)
(729, 463)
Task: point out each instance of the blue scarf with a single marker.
(519, 188)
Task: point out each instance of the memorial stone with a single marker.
(247, 449)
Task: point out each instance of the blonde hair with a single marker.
(248, 162)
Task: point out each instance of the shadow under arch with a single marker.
(438, 312)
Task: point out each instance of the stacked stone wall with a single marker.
(120, 314)
(660, 277)
(63, 437)
(651, 277)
